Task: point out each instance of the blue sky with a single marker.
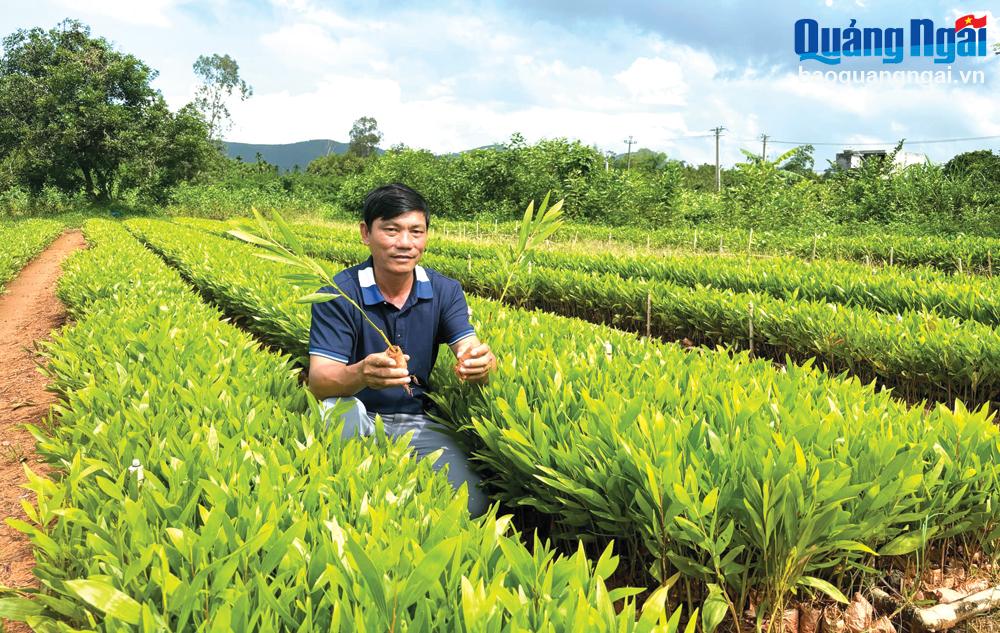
(448, 77)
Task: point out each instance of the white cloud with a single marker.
(146, 13)
(308, 11)
(304, 43)
(654, 81)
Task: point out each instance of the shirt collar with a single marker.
(370, 293)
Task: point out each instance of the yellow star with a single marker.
(968, 20)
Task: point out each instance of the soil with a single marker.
(29, 311)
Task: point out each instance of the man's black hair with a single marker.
(392, 200)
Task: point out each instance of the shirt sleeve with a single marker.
(454, 324)
(332, 331)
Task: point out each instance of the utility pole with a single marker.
(718, 169)
(628, 161)
(763, 153)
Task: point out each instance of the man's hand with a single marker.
(478, 364)
(379, 371)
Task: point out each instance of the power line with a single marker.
(684, 138)
(848, 143)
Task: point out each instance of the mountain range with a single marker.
(287, 155)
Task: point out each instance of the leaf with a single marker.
(373, 579)
(713, 610)
(317, 297)
(19, 608)
(427, 572)
(825, 587)
(522, 238)
(248, 237)
(108, 599)
(906, 543)
(654, 608)
(290, 238)
(281, 259)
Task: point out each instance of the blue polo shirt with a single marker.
(436, 312)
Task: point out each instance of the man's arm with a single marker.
(480, 361)
(333, 379)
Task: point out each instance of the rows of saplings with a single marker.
(918, 353)
(890, 289)
(21, 241)
(961, 253)
(200, 489)
(762, 487)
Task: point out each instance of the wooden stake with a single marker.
(989, 262)
(815, 239)
(751, 329)
(892, 253)
(720, 245)
(960, 271)
(468, 259)
(694, 247)
(649, 313)
(750, 243)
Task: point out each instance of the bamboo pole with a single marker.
(945, 616)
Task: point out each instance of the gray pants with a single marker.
(428, 436)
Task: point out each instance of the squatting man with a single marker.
(418, 309)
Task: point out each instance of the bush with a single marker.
(496, 184)
(765, 195)
(18, 202)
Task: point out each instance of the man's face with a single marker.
(397, 244)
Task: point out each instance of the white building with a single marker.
(853, 158)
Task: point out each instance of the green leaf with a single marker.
(249, 237)
(427, 571)
(713, 610)
(373, 579)
(19, 608)
(825, 587)
(108, 599)
(906, 543)
(317, 297)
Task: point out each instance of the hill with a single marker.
(286, 156)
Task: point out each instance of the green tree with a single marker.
(220, 78)
(77, 114)
(644, 160)
(982, 166)
(801, 161)
(337, 166)
(365, 137)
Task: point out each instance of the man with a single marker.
(417, 309)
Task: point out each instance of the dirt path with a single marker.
(29, 310)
